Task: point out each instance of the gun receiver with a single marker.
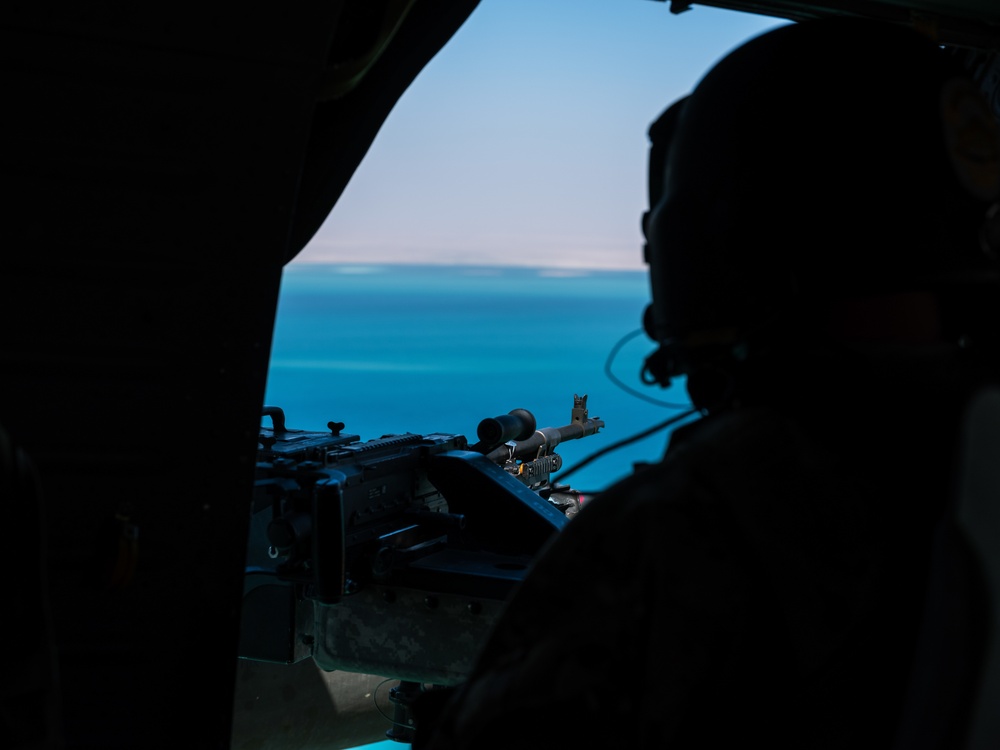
(394, 556)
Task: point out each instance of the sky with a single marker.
(523, 142)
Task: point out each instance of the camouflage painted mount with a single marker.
(394, 556)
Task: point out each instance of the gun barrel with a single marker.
(546, 438)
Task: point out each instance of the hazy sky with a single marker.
(523, 142)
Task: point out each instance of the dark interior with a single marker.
(162, 163)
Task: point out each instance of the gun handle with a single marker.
(277, 416)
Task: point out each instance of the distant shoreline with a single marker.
(472, 269)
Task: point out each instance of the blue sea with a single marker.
(393, 349)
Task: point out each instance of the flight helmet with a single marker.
(820, 161)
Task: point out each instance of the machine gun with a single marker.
(394, 556)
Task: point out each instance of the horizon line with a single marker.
(450, 263)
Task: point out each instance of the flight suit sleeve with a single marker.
(619, 631)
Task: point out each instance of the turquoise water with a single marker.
(391, 349)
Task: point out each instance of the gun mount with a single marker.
(394, 556)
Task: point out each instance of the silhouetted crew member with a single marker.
(820, 275)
